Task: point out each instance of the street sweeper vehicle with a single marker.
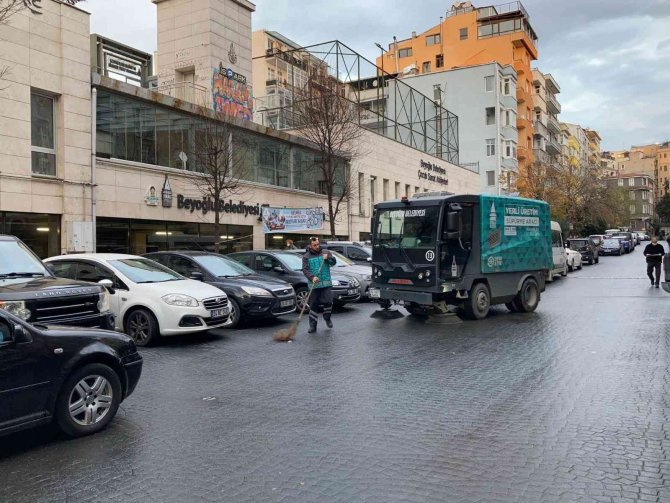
(437, 250)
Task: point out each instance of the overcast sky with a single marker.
(610, 57)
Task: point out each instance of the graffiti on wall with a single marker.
(230, 94)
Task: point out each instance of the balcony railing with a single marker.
(186, 91)
(540, 129)
(553, 146)
(470, 166)
(553, 106)
(553, 124)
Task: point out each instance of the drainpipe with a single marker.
(94, 107)
(395, 54)
(498, 142)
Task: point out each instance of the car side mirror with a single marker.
(197, 275)
(108, 284)
(369, 259)
(278, 269)
(452, 221)
(20, 334)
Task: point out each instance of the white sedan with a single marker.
(148, 299)
(574, 259)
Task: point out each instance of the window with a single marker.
(645, 195)
(182, 265)
(246, 259)
(407, 189)
(490, 116)
(64, 269)
(629, 181)
(632, 209)
(405, 53)
(417, 190)
(507, 86)
(620, 182)
(267, 263)
(645, 208)
(439, 61)
(490, 178)
(509, 118)
(490, 147)
(464, 33)
(385, 189)
(631, 195)
(433, 39)
(489, 82)
(361, 194)
(355, 253)
(397, 190)
(537, 89)
(538, 116)
(425, 68)
(42, 134)
(509, 148)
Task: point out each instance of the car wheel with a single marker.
(88, 400)
(564, 273)
(478, 303)
(300, 298)
(142, 327)
(571, 266)
(528, 298)
(579, 267)
(235, 313)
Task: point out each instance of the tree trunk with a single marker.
(331, 218)
(217, 234)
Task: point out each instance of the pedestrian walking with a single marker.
(316, 268)
(654, 252)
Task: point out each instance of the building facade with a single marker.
(484, 99)
(470, 35)
(546, 127)
(640, 197)
(663, 170)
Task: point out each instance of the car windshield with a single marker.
(222, 266)
(407, 227)
(292, 260)
(341, 260)
(611, 242)
(142, 270)
(575, 244)
(17, 259)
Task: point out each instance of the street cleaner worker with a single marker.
(654, 253)
(316, 268)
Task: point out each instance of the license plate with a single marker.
(286, 303)
(219, 313)
(352, 292)
(374, 293)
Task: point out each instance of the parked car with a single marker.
(629, 237)
(558, 253)
(287, 266)
(586, 247)
(636, 238)
(250, 295)
(574, 259)
(353, 250)
(644, 236)
(75, 377)
(625, 243)
(612, 246)
(362, 272)
(30, 291)
(149, 300)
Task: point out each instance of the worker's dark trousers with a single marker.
(654, 267)
(320, 298)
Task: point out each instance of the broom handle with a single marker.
(309, 294)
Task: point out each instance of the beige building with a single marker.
(547, 135)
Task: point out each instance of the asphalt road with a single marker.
(568, 404)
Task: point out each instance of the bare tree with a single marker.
(220, 163)
(323, 115)
(7, 9)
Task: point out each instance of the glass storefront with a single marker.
(40, 231)
(116, 235)
(278, 241)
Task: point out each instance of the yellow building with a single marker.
(468, 36)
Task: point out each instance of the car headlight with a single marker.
(177, 299)
(104, 304)
(254, 290)
(17, 308)
(335, 282)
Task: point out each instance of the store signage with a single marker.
(431, 172)
(166, 193)
(151, 198)
(206, 204)
(232, 75)
(291, 219)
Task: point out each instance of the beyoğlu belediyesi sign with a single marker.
(433, 173)
(205, 205)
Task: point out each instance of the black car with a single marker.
(30, 291)
(250, 295)
(357, 252)
(586, 247)
(612, 247)
(75, 377)
(287, 266)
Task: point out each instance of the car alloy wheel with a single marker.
(90, 400)
(235, 314)
(300, 298)
(142, 327)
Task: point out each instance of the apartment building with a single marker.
(663, 169)
(640, 197)
(578, 147)
(547, 141)
(593, 143)
(467, 36)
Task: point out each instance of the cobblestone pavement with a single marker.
(569, 404)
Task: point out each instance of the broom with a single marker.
(287, 334)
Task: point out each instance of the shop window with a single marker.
(39, 231)
(42, 134)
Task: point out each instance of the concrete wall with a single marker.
(47, 52)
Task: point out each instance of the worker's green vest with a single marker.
(314, 262)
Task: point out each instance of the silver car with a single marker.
(362, 272)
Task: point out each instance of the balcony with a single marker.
(540, 129)
(523, 123)
(521, 94)
(186, 91)
(541, 156)
(553, 106)
(553, 147)
(552, 85)
(522, 153)
(553, 124)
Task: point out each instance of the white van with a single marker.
(558, 253)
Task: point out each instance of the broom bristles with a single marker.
(286, 334)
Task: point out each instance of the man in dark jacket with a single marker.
(654, 252)
(316, 268)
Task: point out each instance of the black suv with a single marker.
(249, 294)
(30, 291)
(586, 247)
(359, 253)
(287, 266)
(75, 376)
